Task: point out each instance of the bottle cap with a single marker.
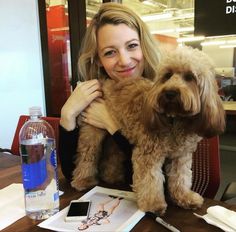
(35, 111)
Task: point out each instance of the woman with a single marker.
(117, 45)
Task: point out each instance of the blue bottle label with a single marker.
(56, 196)
(53, 158)
(34, 174)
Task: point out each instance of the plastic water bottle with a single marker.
(39, 166)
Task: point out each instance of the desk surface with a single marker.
(184, 220)
(230, 107)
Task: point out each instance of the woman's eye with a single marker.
(109, 53)
(133, 45)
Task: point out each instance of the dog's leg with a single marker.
(148, 181)
(88, 151)
(180, 181)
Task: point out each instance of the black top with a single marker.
(67, 151)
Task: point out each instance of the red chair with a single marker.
(53, 121)
(206, 167)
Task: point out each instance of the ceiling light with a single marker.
(153, 3)
(221, 36)
(232, 41)
(184, 29)
(228, 46)
(189, 39)
(214, 42)
(184, 16)
(152, 17)
(172, 30)
(163, 31)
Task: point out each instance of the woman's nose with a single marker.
(124, 58)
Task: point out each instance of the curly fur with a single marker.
(164, 120)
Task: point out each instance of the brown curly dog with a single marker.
(164, 120)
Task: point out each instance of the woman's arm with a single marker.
(98, 115)
(127, 148)
(123, 143)
(67, 150)
(80, 98)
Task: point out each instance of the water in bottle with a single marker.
(39, 167)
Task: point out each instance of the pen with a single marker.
(162, 222)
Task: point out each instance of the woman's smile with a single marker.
(127, 71)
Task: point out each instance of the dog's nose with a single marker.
(171, 94)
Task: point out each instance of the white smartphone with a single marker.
(78, 210)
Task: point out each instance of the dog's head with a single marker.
(186, 90)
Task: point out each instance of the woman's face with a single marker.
(119, 51)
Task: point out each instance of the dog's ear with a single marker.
(151, 118)
(212, 115)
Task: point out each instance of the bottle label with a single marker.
(34, 174)
(53, 158)
(56, 196)
(42, 201)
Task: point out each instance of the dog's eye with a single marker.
(189, 77)
(167, 75)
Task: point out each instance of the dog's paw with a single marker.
(83, 184)
(190, 200)
(158, 207)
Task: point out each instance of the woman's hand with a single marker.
(81, 97)
(96, 114)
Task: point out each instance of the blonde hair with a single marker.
(115, 13)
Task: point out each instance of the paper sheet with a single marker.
(12, 201)
(123, 217)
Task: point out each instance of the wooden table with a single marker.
(184, 220)
(230, 107)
